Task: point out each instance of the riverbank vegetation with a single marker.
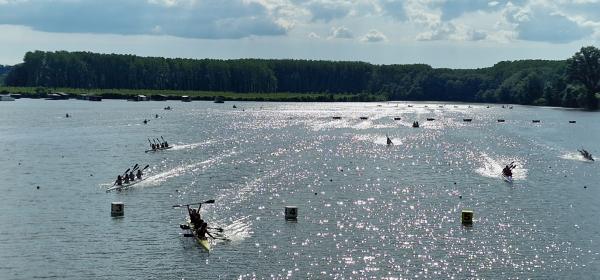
(569, 83)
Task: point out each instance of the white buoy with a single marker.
(291, 213)
(467, 217)
(117, 209)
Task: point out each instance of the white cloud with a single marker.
(374, 36)
(341, 32)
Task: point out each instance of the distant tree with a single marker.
(584, 67)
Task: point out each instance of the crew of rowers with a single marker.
(127, 178)
(158, 146)
(507, 171)
(200, 226)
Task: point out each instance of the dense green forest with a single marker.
(4, 69)
(569, 83)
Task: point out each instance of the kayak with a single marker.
(203, 241)
(508, 179)
(156, 150)
(125, 186)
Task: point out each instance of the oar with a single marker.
(217, 229)
(162, 138)
(205, 202)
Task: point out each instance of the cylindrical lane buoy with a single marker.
(467, 217)
(291, 213)
(117, 209)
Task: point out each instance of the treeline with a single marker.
(4, 69)
(569, 83)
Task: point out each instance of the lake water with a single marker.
(366, 210)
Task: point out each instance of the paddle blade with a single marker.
(188, 235)
(209, 201)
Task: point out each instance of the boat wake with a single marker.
(492, 168)
(192, 145)
(238, 229)
(183, 169)
(574, 156)
(377, 139)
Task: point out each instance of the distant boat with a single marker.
(430, 119)
(409, 106)
(535, 121)
(337, 118)
(219, 99)
(500, 120)
(186, 98)
(415, 124)
(572, 121)
(467, 120)
(586, 154)
(397, 118)
(364, 118)
(389, 141)
(6, 98)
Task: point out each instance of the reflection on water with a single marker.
(366, 210)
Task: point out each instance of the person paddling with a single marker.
(119, 180)
(507, 171)
(195, 218)
(139, 174)
(131, 176)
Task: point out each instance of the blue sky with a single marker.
(442, 33)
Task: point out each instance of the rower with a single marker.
(166, 144)
(139, 174)
(126, 179)
(119, 181)
(131, 176)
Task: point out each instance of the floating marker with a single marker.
(117, 209)
(467, 217)
(291, 213)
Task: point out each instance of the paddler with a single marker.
(195, 218)
(203, 230)
(119, 180)
(139, 174)
(166, 144)
(126, 179)
(131, 176)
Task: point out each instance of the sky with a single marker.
(441, 33)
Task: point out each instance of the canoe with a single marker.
(126, 186)
(156, 150)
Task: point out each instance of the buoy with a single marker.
(467, 217)
(117, 209)
(38, 187)
(291, 213)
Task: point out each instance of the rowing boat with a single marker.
(160, 149)
(125, 186)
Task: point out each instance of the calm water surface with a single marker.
(366, 210)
